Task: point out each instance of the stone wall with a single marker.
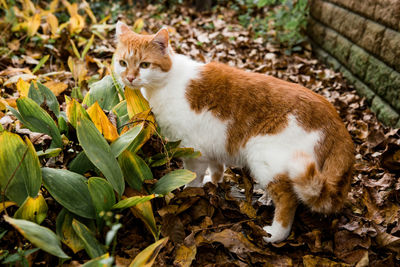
(361, 38)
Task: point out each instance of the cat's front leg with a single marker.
(198, 166)
(285, 202)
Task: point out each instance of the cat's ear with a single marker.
(161, 39)
(120, 29)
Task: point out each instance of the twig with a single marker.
(3, 193)
(225, 225)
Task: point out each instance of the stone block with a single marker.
(390, 51)
(377, 76)
(358, 61)
(342, 49)
(344, 3)
(348, 75)
(384, 112)
(316, 30)
(331, 61)
(353, 26)
(326, 13)
(366, 7)
(393, 91)
(329, 42)
(320, 53)
(338, 17)
(363, 90)
(372, 38)
(315, 8)
(388, 13)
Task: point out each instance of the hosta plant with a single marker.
(107, 170)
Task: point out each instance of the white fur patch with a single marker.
(277, 231)
(273, 154)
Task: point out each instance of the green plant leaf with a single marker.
(41, 63)
(37, 120)
(146, 257)
(33, 209)
(70, 190)
(135, 169)
(35, 94)
(49, 153)
(102, 194)
(65, 231)
(93, 248)
(99, 152)
(51, 99)
(102, 261)
(123, 142)
(18, 158)
(104, 92)
(87, 47)
(81, 164)
(40, 236)
(122, 115)
(132, 201)
(173, 180)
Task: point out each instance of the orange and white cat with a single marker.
(290, 138)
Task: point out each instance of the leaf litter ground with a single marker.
(221, 226)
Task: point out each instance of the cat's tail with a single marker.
(324, 191)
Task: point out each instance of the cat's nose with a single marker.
(130, 78)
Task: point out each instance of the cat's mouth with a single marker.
(134, 83)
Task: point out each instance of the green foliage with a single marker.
(87, 220)
(287, 18)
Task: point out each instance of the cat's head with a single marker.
(142, 60)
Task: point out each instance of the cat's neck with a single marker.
(182, 71)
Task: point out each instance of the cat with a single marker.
(290, 139)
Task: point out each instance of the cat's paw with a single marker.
(277, 233)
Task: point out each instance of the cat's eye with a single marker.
(145, 65)
(122, 63)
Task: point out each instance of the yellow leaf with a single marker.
(6, 205)
(135, 101)
(138, 25)
(28, 7)
(102, 122)
(56, 87)
(53, 5)
(78, 69)
(53, 23)
(74, 111)
(66, 233)
(11, 101)
(33, 24)
(22, 87)
(33, 209)
(3, 104)
(76, 24)
(148, 255)
(4, 4)
(89, 12)
(19, 27)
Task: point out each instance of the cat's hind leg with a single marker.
(285, 202)
(198, 166)
(217, 172)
